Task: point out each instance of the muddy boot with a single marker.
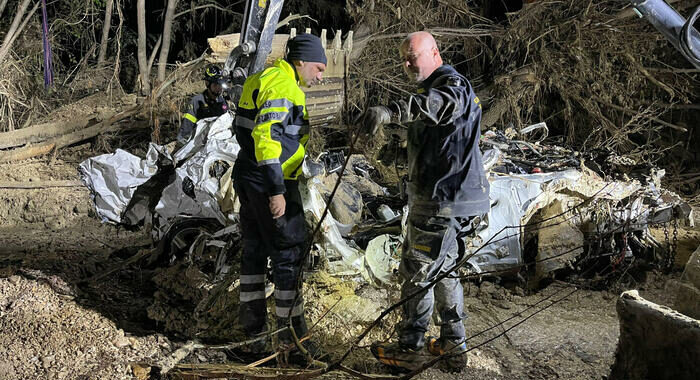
(398, 357)
(251, 352)
(289, 353)
(453, 353)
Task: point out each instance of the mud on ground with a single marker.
(56, 326)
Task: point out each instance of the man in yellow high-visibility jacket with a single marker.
(272, 128)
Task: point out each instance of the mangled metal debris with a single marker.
(539, 193)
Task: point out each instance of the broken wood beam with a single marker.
(108, 125)
(231, 370)
(39, 132)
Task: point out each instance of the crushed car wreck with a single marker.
(542, 217)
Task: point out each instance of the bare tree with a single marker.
(105, 34)
(14, 28)
(167, 31)
(152, 57)
(3, 3)
(144, 69)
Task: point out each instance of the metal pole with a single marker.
(667, 21)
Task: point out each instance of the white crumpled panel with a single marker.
(113, 178)
(213, 141)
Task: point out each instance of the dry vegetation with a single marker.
(600, 79)
(602, 82)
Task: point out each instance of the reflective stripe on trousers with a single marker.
(282, 241)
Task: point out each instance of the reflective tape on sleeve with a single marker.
(190, 117)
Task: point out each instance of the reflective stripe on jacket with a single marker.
(272, 128)
(200, 107)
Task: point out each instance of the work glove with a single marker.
(374, 117)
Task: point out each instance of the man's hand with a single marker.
(277, 205)
(375, 117)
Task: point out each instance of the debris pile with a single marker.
(601, 77)
(539, 194)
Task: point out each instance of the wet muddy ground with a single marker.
(54, 324)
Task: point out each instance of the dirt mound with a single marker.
(49, 336)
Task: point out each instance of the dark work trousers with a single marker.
(282, 240)
(430, 249)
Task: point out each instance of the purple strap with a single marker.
(48, 68)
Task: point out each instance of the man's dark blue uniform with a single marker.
(446, 175)
(210, 103)
(447, 192)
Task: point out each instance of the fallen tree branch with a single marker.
(651, 78)
(108, 125)
(158, 91)
(218, 371)
(276, 354)
(142, 253)
(633, 112)
(105, 126)
(680, 106)
(206, 6)
(40, 132)
(293, 17)
(26, 152)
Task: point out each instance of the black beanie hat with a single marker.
(307, 48)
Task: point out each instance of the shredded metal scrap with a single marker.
(527, 181)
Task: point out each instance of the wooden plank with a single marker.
(68, 139)
(323, 101)
(323, 87)
(320, 94)
(40, 132)
(323, 110)
(213, 371)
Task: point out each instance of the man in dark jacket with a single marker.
(447, 194)
(210, 103)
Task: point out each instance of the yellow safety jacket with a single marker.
(272, 128)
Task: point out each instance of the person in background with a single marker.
(210, 103)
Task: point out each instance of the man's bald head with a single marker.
(420, 55)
